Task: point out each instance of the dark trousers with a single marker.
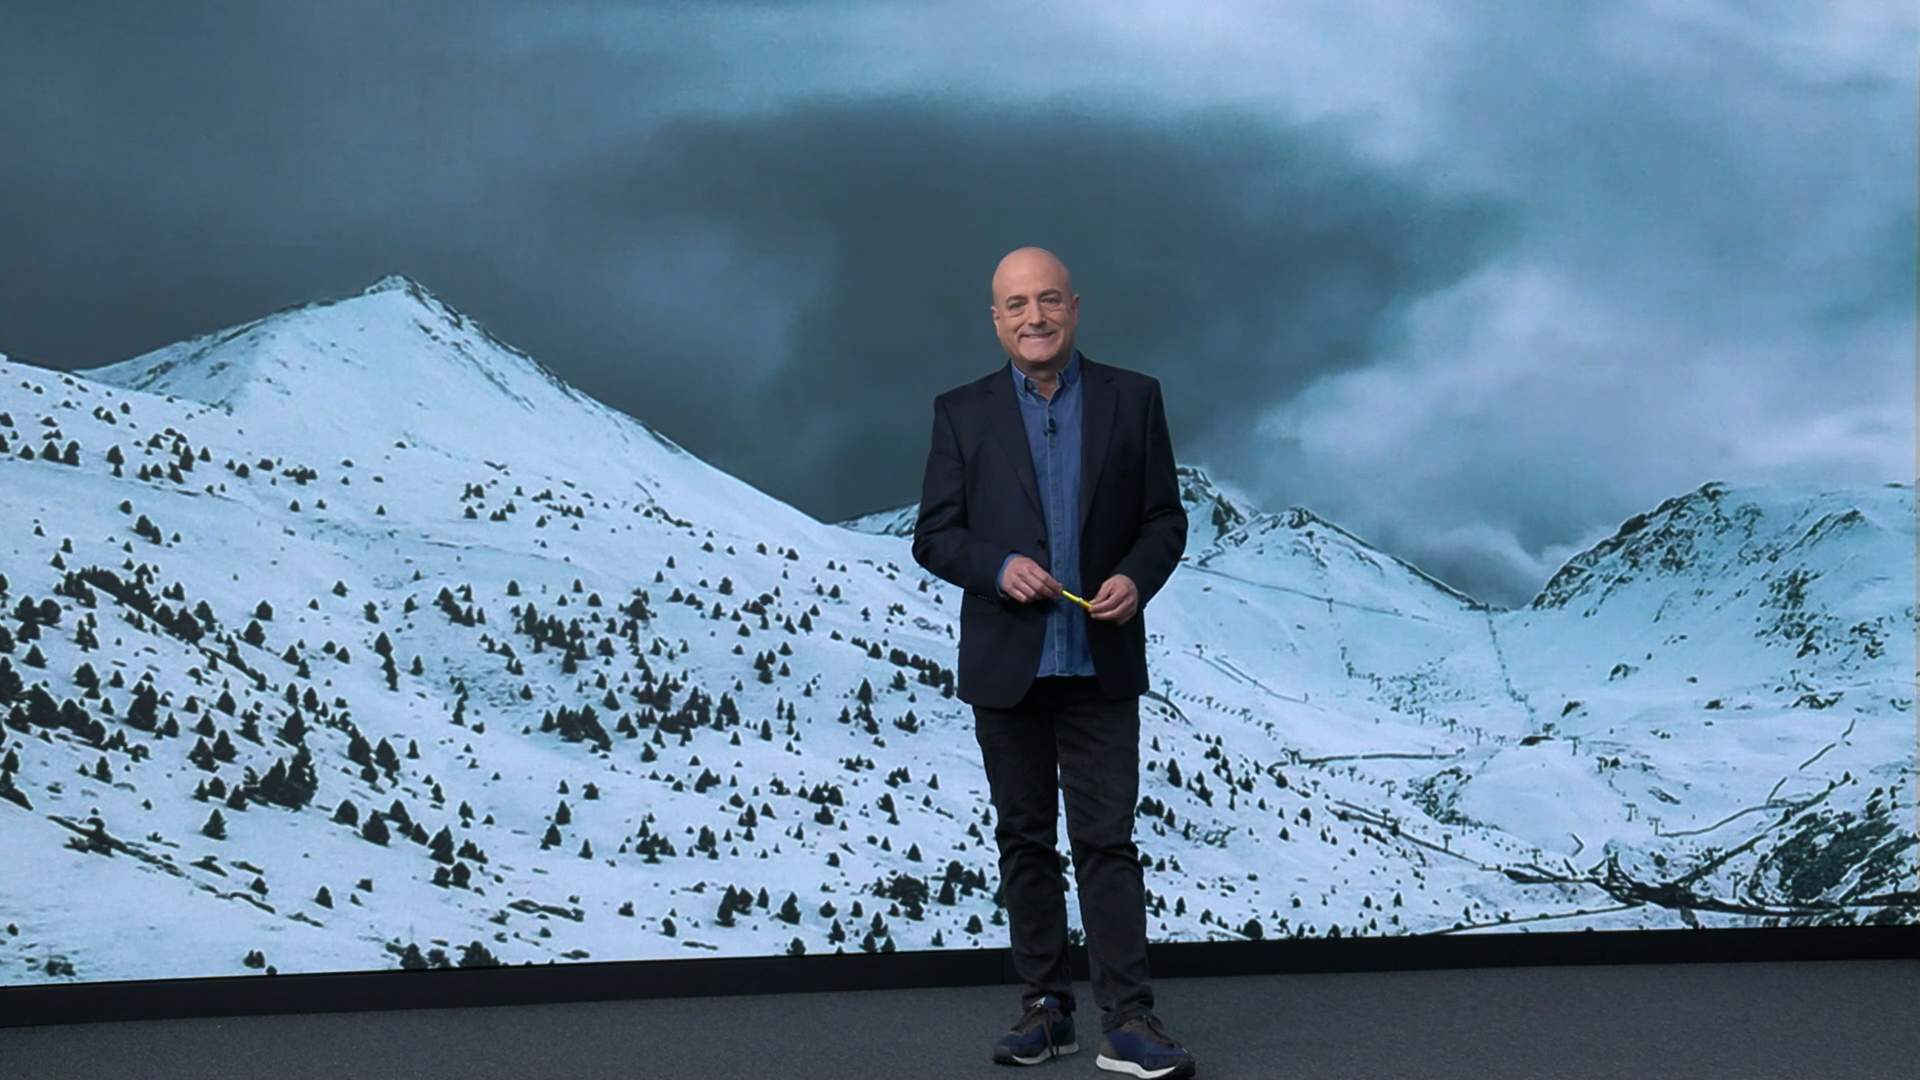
(1064, 724)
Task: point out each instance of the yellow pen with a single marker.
(1076, 599)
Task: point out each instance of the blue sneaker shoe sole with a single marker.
(1169, 1072)
(1004, 1056)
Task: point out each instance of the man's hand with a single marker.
(1024, 580)
(1117, 599)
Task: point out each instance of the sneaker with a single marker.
(1141, 1047)
(1042, 1032)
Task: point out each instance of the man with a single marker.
(1054, 474)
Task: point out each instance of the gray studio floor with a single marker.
(1831, 1020)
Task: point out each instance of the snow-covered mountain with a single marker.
(1214, 510)
(352, 637)
(898, 521)
(395, 367)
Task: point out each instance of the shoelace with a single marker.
(1148, 1025)
(1041, 1010)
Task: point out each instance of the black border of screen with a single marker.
(555, 982)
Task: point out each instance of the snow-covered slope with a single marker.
(395, 367)
(626, 691)
(1732, 659)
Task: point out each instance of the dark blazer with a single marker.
(980, 501)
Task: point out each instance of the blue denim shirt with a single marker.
(1056, 469)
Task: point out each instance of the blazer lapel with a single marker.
(1097, 403)
(1010, 429)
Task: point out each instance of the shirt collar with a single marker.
(1068, 375)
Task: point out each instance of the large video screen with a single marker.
(459, 467)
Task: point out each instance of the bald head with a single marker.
(1035, 311)
(1022, 261)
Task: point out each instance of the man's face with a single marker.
(1035, 312)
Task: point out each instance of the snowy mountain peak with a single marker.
(1813, 570)
(897, 521)
(1664, 539)
(1299, 517)
(395, 366)
(1212, 510)
(401, 283)
(390, 338)
(1296, 545)
(400, 287)
(1266, 525)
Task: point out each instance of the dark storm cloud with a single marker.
(1477, 283)
(1233, 258)
(170, 169)
(782, 290)
(1714, 279)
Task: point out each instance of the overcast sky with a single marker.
(1475, 280)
